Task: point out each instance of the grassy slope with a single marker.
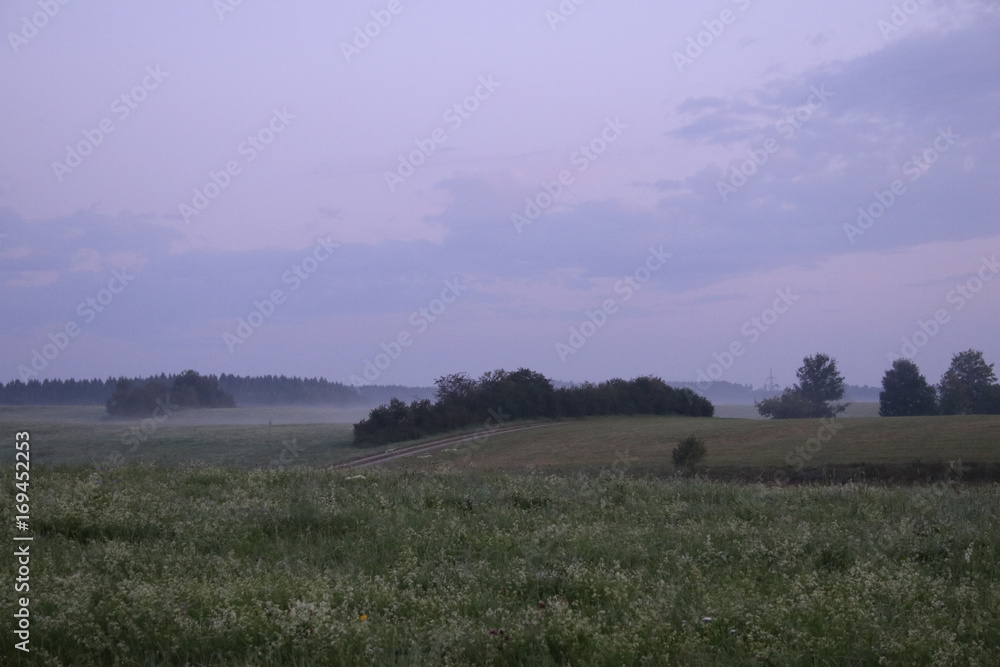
(750, 411)
(646, 442)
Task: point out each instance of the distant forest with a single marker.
(267, 390)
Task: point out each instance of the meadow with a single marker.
(316, 437)
(576, 543)
(242, 437)
(220, 566)
(883, 450)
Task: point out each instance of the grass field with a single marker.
(212, 566)
(750, 411)
(643, 444)
(572, 544)
(245, 437)
(80, 436)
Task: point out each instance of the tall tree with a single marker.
(819, 384)
(968, 386)
(905, 392)
(819, 379)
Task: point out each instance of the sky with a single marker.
(387, 192)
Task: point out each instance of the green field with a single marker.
(643, 444)
(576, 543)
(750, 411)
(243, 438)
(212, 566)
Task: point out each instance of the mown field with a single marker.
(642, 445)
(750, 411)
(213, 566)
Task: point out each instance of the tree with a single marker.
(524, 394)
(819, 384)
(968, 386)
(819, 380)
(130, 400)
(993, 402)
(457, 396)
(905, 392)
(191, 390)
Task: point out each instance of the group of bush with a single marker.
(969, 386)
(523, 394)
(188, 390)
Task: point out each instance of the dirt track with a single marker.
(384, 457)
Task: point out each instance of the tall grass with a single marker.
(212, 566)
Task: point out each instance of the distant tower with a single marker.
(770, 384)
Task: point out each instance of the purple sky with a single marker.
(629, 189)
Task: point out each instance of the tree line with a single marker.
(57, 392)
(269, 390)
(523, 394)
(969, 386)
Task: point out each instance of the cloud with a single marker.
(32, 279)
(885, 112)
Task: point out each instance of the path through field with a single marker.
(392, 455)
